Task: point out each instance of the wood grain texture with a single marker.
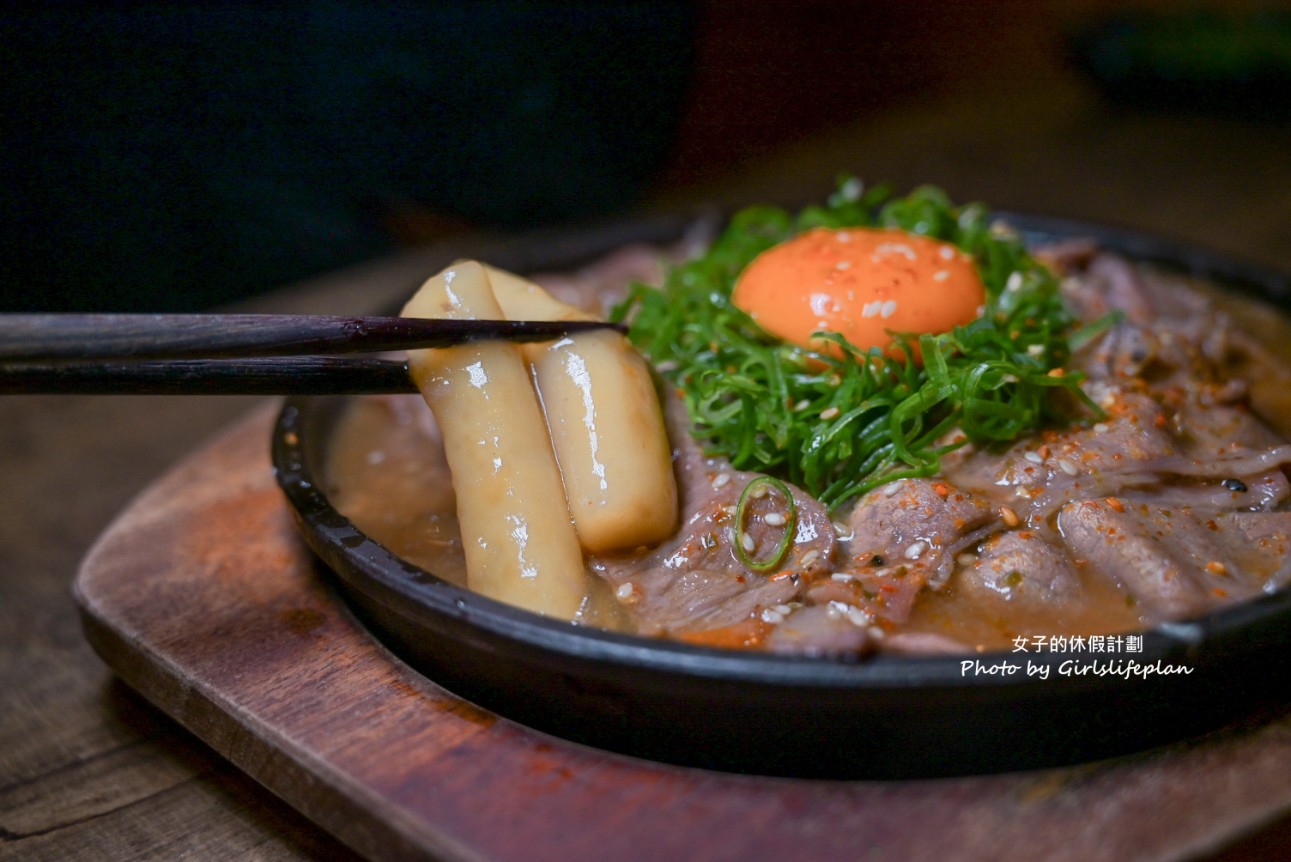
(88, 769)
(202, 597)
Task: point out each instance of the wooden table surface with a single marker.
(88, 770)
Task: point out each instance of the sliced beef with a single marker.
(1109, 282)
(1067, 256)
(923, 644)
(917, 522)
(1126, 350)
(881, 593)
(1257, 543)
(1261, 493)
(902, 538)
(1115, 544)
(1179, 562)
(1217, 457)
(1021, 567)
(1113, 284)
(1209, 428)
(1037, 475)
(695, 581)
(834, 629)
(662, 600)
(1169, 336)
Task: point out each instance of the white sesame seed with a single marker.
(775, 519)
(966, 560)
(916, 549)
(624, 591)
(843, 264)
(1100, 427)
(871, 309)
(747, 542)
(1035, 350)
(809, 558)
(842, 577)
(1067, 467)
(830, 413)
(889, 309)
(858, 617)
(801, 405)
(940, 275)
(770, 616)
(877, 633)
(947, 253)
(1014, 283)
(1034, 457)
(891, 488)
(759, 492)
(721, 480)
(782, 609)
(837, 609)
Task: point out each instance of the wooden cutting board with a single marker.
(202, 597)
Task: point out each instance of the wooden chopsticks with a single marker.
(232, 353)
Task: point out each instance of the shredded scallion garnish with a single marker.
(838, 426)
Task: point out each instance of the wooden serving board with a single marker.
(202, 597)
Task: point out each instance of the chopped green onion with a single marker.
(790, 526)
(840, 425)
(1094, 328)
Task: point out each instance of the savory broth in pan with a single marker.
(387, 473)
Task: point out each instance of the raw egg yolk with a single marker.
(862, 284)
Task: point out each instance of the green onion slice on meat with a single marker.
(756, 489)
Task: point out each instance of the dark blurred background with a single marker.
(177, 156)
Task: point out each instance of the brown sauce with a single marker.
(386, 472)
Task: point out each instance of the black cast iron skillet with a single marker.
(885, 717)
